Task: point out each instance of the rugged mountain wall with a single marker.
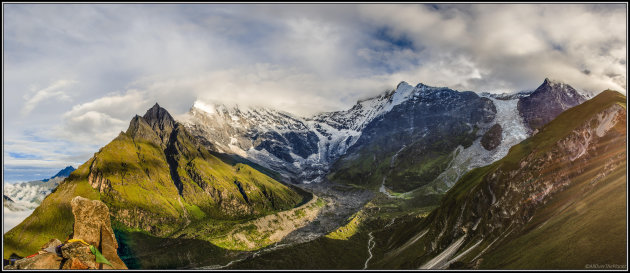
(300, 149)
(408, 138)
(410, 145)
(528, 208)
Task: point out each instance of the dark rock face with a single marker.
(426, 113)
(431, 123)
(6, 198)
(492, 138)
(160, 122)
(159, 118)
(301, 143)
(547, 102)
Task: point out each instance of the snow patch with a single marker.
(513, 132)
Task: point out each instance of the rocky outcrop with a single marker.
(92, 225)
(492, 138)
(97, 181)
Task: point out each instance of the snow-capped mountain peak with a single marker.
(304, 148)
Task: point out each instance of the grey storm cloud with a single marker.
(77, 74)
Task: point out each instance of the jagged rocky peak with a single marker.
(548, 100)
(156, 125)
(159, 117)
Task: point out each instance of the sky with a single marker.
(75, 74)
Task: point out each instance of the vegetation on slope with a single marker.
(156, 179)
(520, 212)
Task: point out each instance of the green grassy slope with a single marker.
(591, 230)
(155, 180)
(561, 232)
(52, 219)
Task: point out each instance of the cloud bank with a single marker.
(74, 75)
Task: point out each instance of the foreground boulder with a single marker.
(92, 224)
(92, 227)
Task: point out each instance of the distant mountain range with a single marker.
(557, 200)
(28, 195)
(369, 144)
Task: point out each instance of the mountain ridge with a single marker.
(156, 178)
(304, 149)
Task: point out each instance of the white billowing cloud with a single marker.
(54, 91)
(10, 219)
(99, 121)
(117, 105)
(515, 46)
(299, 58)
(45, 154)
(263, 84)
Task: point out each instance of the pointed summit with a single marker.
(158, 115)
(156, 125)
(553, 83)
(403, 83)
(548, 100)
(160, 121)
(560, 91)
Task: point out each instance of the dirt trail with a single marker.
(371, 244)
